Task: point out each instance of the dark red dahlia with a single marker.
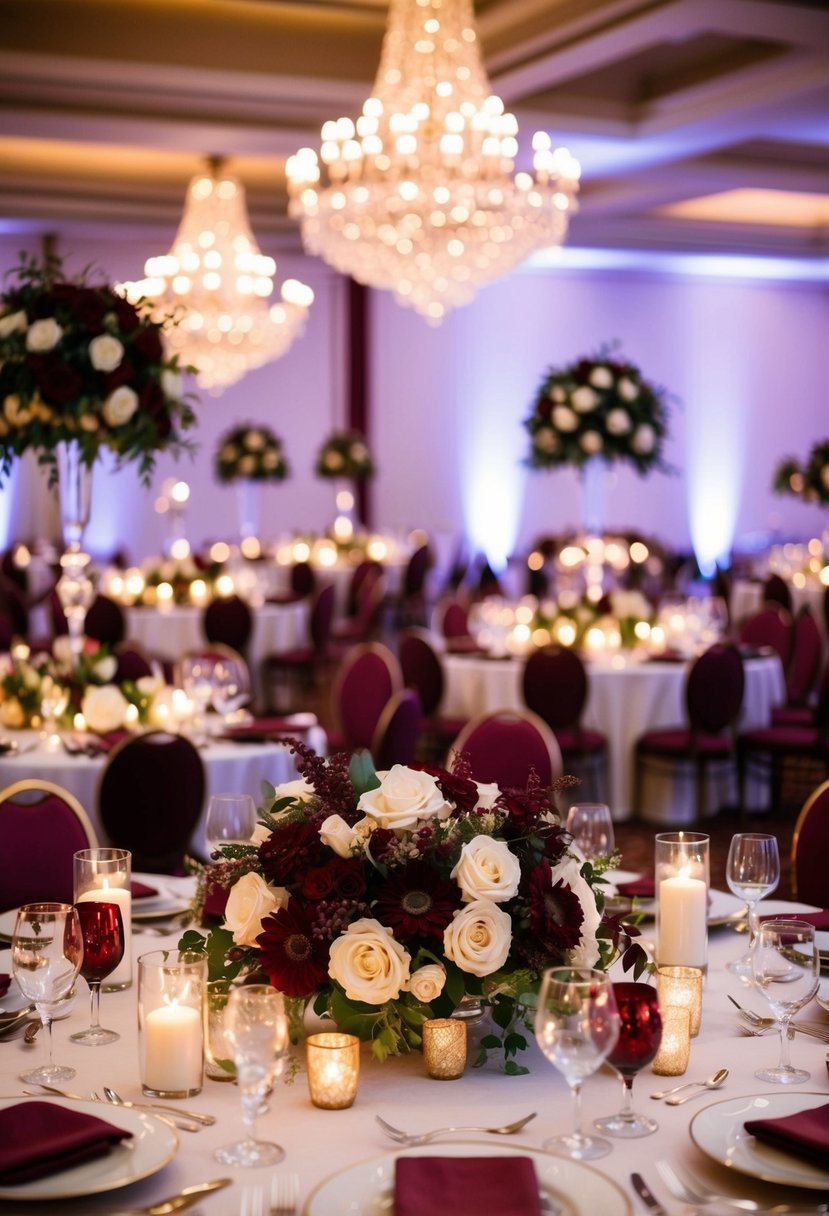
(294, 960)
(555, 912)
(416, 903)
(289, 853)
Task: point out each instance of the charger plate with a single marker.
(719, 1131)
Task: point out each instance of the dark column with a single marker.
(358, 382)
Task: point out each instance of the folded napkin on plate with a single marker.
(140, 890)
(642, 887)
(39, 1138)
(5, 980)
(819, 919)
(805, 1134)
(262, 729)
(465, 1186)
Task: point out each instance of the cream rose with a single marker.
(564, 419)
(427, 982)
(247, 465)
(106, 668)
(333, 460)
(568, 871)
(254, 441)
(627, 389)
(171, 383)
(105, 353)
(270, 460)
(487, 869)
(120, 406)
(583, 399)
(13, 323)
(104, 708)
(339, 836)
(149, 686)
(546, 439)
(249, 902)
(488, 795)
(601, 377)
(43, 335)
(557, 393)
(591, 442)
(644, 439)
(404, 798)
(300, 790)
(478, 938)
(618, 421)
(368, 963)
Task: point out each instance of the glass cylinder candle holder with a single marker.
(672, 1058)
(444, 1048)
(333, 1061)
(218, 1050)
(171, 992)
(682, 878)
(682, 986)
(105, 875)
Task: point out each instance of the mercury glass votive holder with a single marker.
(333, 1061)
(444, 1048)
(682, 986)
(674, 1050)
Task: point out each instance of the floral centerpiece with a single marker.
(250, 452)
(79, 362)
(624, 618)
(810, 480)
(387, 898)
(600, 406)
(345, 454)
(179, 574)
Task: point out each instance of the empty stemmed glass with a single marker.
(46, 953)
(196, 675)
(256, 1027)
(230, 819)
(54, 698)
(576, 1025)
(102, 931)
(786, 968)
(590, 825)
(752, 871)
(230, 687)
(640, 1033)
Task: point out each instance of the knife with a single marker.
(187, 1196)
(646, 1195)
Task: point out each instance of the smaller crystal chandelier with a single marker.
(217, 285)
(420, 195)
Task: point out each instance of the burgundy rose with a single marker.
(89, 308)
(544, 409)
(152, 400)
(381, 840)
(318, 882)
(350, 880)
(288, 852)
(123, 374)
(127, 314)
(58, 381)
(148, 342)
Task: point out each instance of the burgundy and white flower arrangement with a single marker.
(251, 452)
(807, 480)
(345, 454)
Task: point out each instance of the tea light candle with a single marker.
(672, 1058)
(173, 1050)
(444, 1048)
(333, 1069)
(107, 893)
(682, 986)
(683, 930)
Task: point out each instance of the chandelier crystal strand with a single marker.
(421, 196)
(217, 285)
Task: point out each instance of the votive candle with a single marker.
(173, 1050)
(682, 986)
(681, 867)
(675, 1048)
(444, 1048)
(333, 1061)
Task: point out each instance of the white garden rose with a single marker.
(62, 651)
(546, 439)
(104, 708)
(618, 421)
(172, 383)
(339, 836)
(427, 983)
(43, 335)
(627, 389)
(149, 686)
(368, 963)
(644, 439)
(247, 465)
(254, 441)
(591, 442)
(333, 460)
(486, 869)
(584, 399)
(105, 668)
(488, 795)
(404, 798)
(228, 453)
(478, 938)
(249, 902)
(359, 453)
(568, 871)
(13, 323)
(105, 353)
(270, 460)
(299, 789)
(120, 406)
(601, 377)
(557, 393)
(564, 419)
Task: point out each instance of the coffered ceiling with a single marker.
(701, 125)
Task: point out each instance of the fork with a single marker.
(402, 1137)
(284, 1195)
(817, 1030)
(701, 1194)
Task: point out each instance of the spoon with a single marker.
(717, 1079)
(712, 1083)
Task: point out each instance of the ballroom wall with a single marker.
(745, 358)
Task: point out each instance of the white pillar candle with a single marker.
(173, 1050)
(683, 933)
(106, 894)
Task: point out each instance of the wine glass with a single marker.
(54, 698)
(576, 1025)
(640, 1033)
(102, 931)
(256, 1027)
(752, 871)
(230, 819)
(46, 954)
(786, 968)
(230, 687)
(196, 676)
(590, 825)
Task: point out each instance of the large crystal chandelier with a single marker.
(420, 196)
(217, 285)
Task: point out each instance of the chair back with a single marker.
(321, 618)
(150, 798)
(368, 677)
(397, 734)
(365, 574)
(42, 826)
(777, 591)
(554, 685)
(810, 845)
(229, 621)
(453, 619)
(422, 669)
(303, 580)
(714, 689)
(13, 604)
(105, 621)
(414, 577)
(505, 745)
(771, 626)
(805, 663)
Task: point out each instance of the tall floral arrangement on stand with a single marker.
(345, 454)
(388, 898)
(808, 480)
(250, 452)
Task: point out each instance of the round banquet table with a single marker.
(322, 1144)
(237, 768)
(626, 698)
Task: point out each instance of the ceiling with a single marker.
(701, 125)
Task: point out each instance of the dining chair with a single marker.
(777, 591)
(505, 746)
(364, 625)
(451, 622)
(303, 584)
(707, 738)
(772, 626)
(228, 620)
(397, 733)
(300, 666)
(411, 604)
(555, 685)
(810, 848)
(42, 826)
(367, 678)
(105, 621)
(802, 674)
(150, 797)
(422, 667)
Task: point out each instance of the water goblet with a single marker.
(46, 954)
(256, 1027)
(640, 1033)
(752, 871)
(196, 676)
(576, 1025)
(230, 819)
(590, 825)
(230, 687)
(102, 931)
(786, 969)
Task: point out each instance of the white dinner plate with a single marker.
(174, 895)
(366, 1189)
(152, 1146)
(822, 997)
(719, 1132)
(723, 908)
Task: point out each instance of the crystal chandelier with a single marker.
(420, 196)
(217, 285)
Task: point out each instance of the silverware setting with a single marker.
(185, 1198)
(816, 1030)
(181, 1120)
(713, 1082)
(405, 1138)
(280, 1199)
(111, 1095)
(699, 1194)
(646, 1195)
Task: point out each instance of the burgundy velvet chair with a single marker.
(303, 584)
(422, 669)
(105, 621)
(555, 686)
(777, 591)
(397, 734)
(229, 621)
(365, 624)
(42, 826)
(452, 623)
(367, 678)
(708, 738)
(505, 745)
(772, 626)
(412, 602)
(150, 798)
(810, 848)
(802, 674)
(300, 666)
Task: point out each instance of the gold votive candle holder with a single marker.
(682, 986)
(444, 1048)
(333, 1061)
(675, 1048)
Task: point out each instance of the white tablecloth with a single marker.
(320, 1143)
(624, 701)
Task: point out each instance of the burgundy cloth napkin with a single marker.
(819, 919)
(39, 1138)
(262, 729)
(465, 1186)
(805, 1134)
(140, 890)
(5, 980)
(643, 887)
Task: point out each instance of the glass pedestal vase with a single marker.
(345, 502)
(75, 589)
(594, 508)
(249, 506)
